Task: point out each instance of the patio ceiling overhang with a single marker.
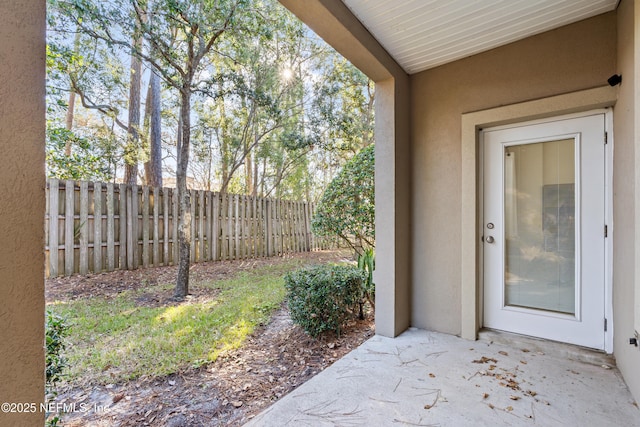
(422, 34)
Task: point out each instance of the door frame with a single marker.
(547, 109)
(607, 202)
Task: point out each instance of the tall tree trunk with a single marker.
(210, 165)
(184, 217)
(153, 166)
(248, 169)
(144, 135)
(264, 172)
(71, 106)
(179, 135)
(224, 145)
(255, 178)
(69, 121)
(133, 130)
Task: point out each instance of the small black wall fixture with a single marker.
(614, 80)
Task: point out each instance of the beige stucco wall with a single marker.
(22, 66)
(569, 59)
(626, 214)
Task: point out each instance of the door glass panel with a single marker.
(540, 226)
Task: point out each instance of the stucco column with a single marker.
(393, 218)
(22, 202)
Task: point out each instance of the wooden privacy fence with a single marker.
(93, 227)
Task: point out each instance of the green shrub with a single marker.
(367, 263)
(347, 207)
(322, 298)
(56, 329)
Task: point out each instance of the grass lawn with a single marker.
(123, 337)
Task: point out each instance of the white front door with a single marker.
(544, 229)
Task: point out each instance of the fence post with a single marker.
(54, 240)
(230, 251)
(165, 232)
(122, 224)
(130, 219)
(156, 226)
(135, 207)
(175, 210)
(111, 250)
(201, 211)
(208, 225)
(216, 227)
(84, 227)
(97, 227)
(145, 226)
(267, 223)
(69, 209)
(307, 226)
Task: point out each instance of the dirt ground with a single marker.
(276, 359)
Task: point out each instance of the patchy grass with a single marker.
(125, 336)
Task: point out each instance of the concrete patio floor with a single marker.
(425, 378)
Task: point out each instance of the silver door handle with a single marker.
(490, 239)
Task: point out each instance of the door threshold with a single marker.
(553, 348)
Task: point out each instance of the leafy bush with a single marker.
(347, 207)
(322, 298)
(56, 329)
(91, 158)
(367, 263)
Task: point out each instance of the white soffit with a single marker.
(422, 34)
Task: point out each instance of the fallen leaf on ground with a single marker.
(117, 398)
(514, 397)
(432, 375)
(504, 353)
(484, 396)
(484, 359)
(236, 403)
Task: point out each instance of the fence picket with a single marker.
(165, 232)
(175, 210)
(54, 240)
(97, 227)
(68, 228)
(192, 213)
(122, 224)
(145, 227)
(84, 228)
(200, 225)
(111, 250)
(156, 227)
(215, 255)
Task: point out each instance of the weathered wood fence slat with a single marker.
(92, 227)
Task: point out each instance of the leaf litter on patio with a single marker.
(507, 378)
